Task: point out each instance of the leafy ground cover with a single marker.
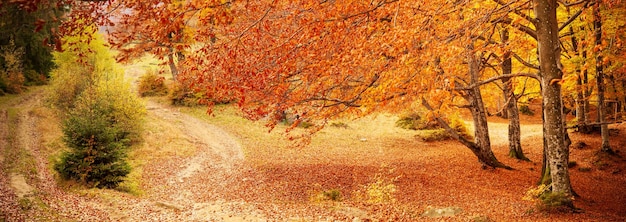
(221, 167)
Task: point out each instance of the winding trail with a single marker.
(175, 187)
(34, 184)
(189, 188)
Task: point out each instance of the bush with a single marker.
(11, 69)
(182, 95)
(150, 84)
(524, 109)
(459, 126)
(547, 200)
(98, 144)
(432, 135)
(429, 129)
(80, 66)
(33, 78)
(327, 195)
(417, 121)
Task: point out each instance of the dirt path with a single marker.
(33, 188)
(212, 169)
(175, 186)
(499, 133)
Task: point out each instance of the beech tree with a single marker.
(551, 76)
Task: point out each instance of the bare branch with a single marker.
(492, 79)
(517, 11)
(575, 15)
(524, 62)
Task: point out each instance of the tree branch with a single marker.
(492, 79)
(571, 19)
(517, 12)
(524, 62)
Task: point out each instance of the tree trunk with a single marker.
(515, 146)
(483, 153)
(172, 64)
(551, 75)
(604, 128)
(581, 100)
(481, 146)
(545, 178)
(587, 92)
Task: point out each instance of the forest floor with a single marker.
(196, 167)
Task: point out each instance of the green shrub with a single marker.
(150, 84)
(417, 121)
(98, 144)
(33, 78)
(11, 69)
(183, 95)
(429, 129)
(102, 116)
(327, 195)
(524, 109)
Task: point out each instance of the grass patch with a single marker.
(327, 195)
(161, 141)
(432, 135)
(339, 125)
(132, 182)
(365, 135)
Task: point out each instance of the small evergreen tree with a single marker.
(98, 144)
(102, 116)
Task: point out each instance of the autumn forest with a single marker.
(269, 110)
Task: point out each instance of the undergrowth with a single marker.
(428, 129)
(327, 195)
(151, 84)
(547, 201)
(381, 190)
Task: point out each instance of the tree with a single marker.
(604, 128)
(30, 30)
(102, 117)
(551, 77)
(515, 146)
(163, 29)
